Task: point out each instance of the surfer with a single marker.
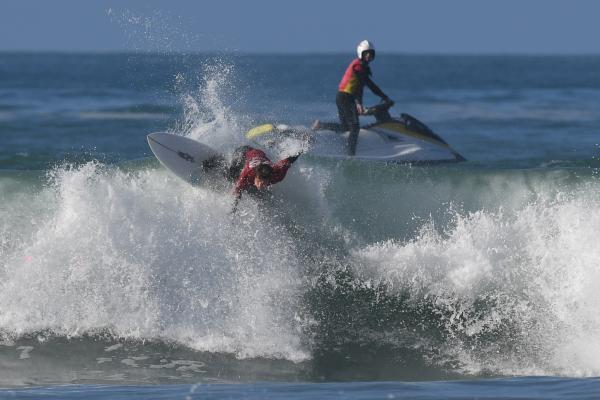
(252, 171)
(350, 95)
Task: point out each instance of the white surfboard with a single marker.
(181, 155)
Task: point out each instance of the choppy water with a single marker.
(113, 271)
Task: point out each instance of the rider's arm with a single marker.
(375, 89)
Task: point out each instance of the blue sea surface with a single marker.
(355, 280)
(508, 389)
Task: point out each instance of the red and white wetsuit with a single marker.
(254, 158)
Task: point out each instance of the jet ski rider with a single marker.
(349, 98)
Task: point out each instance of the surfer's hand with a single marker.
(360, 109)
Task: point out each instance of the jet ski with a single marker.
(401, 140)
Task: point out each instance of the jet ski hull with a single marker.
(403, 140)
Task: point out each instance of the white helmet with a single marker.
(364, 46)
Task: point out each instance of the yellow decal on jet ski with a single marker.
(396, 127)
(260, 130)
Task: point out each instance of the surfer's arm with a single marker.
(281, 167)
(236, 200)
(243, 183)
(237, 193)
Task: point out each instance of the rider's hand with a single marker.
(360, 109)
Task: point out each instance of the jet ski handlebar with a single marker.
(382, 106)
(380, 111)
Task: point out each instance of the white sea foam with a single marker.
(147, 256)
(208, 117)
(144, 255)
(527, 278)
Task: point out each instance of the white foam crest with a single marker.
(22, 210)
(208, 115)
(147, 256)
(528, 279)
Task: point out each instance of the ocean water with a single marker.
(357, 280)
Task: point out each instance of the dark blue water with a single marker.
(473, 280)
(518, 388)
(493, 108)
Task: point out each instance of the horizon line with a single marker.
(287, 53)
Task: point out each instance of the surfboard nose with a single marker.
(180, 154)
